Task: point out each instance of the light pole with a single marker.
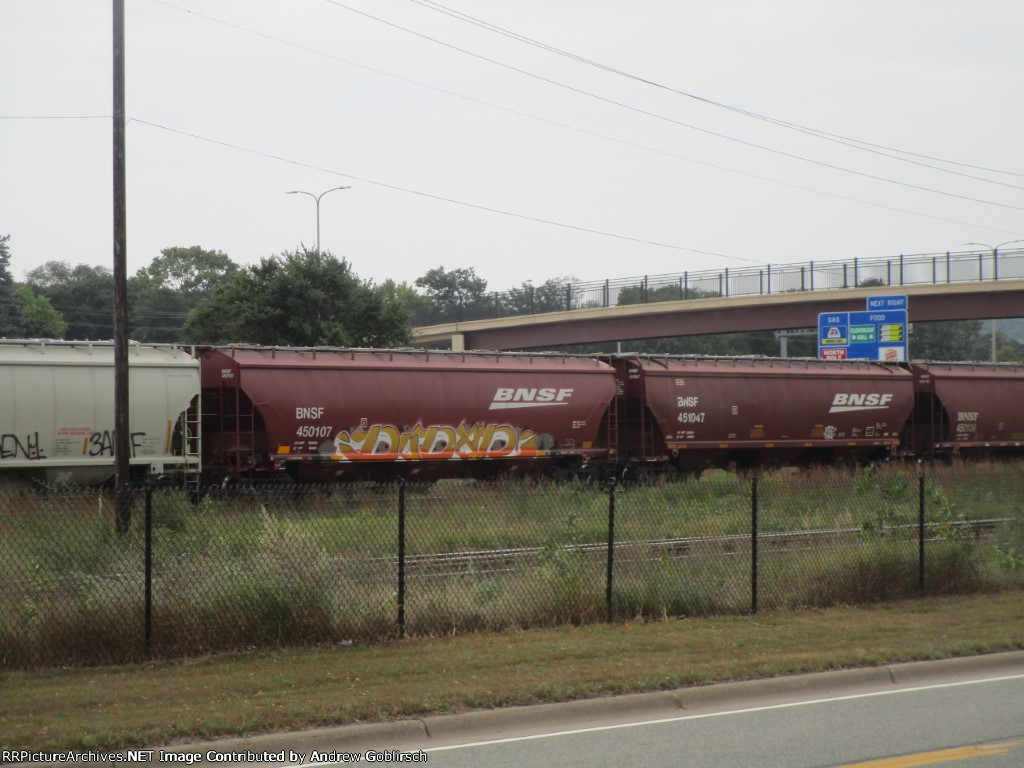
(317, 198)
(995, 274)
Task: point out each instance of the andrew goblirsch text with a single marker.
(281, 757)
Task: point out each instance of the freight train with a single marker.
(221, 415)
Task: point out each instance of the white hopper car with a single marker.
(57, 411)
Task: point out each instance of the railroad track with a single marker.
(492, 561)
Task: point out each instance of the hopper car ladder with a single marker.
(192, 444)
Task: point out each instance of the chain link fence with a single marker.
(364, 563)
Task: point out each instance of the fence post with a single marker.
(920, 528)
(753, 545)
(401, 559)
(148, 609)
(611, 551)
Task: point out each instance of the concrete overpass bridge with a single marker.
(963, 286)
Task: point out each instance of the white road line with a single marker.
(707, 715)
(766, 708)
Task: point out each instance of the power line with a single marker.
(865, 146)
(657, 116)
(55, 117)
(566, 126)
(441, 198)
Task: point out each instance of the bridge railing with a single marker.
(891, 272)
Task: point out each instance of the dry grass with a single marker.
(273, 570)
(293, 689)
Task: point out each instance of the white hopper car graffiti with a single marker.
(57, 411)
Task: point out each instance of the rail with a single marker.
(892, 272)
(491, 561)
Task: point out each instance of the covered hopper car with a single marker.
(57, 411)
(966, 409)
(221, 415)
(682, 413)
(327, 414)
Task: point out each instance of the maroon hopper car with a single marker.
(325, 415)
(690, 413)
(967, 408)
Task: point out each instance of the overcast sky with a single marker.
(468, 148)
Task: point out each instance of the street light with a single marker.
(317, 198)
(995, 274)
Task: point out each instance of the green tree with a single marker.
(190, 271)
(304, 298)
(162, 295)
(952, 340)
(528, 299)
(39, 320)
(417, 306)
(638, 294)
(10, 305)
(83, 294)
(456, 295)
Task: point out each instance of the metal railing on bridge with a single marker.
(919, 269)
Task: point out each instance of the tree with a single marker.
(527, 299)
(952, 340)
(84, 295)
(39, 320)
(417, 307)
(305, 298)
(638, 294)
(162, 295)
(456, 295)
(870, 282)
(10, 304)
(189, 271)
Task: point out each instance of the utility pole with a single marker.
(122, 467)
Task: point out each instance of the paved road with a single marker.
(965, 713)
(967, 723)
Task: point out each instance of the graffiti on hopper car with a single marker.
(21, 447)
(466, 441)
(68, 442)
(102, 443)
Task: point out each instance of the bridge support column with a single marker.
(458, 342)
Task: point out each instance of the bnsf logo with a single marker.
(843, 402)
(506, 398)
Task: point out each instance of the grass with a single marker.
(274, 570)
(246, 693)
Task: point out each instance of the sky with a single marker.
(527, 140)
